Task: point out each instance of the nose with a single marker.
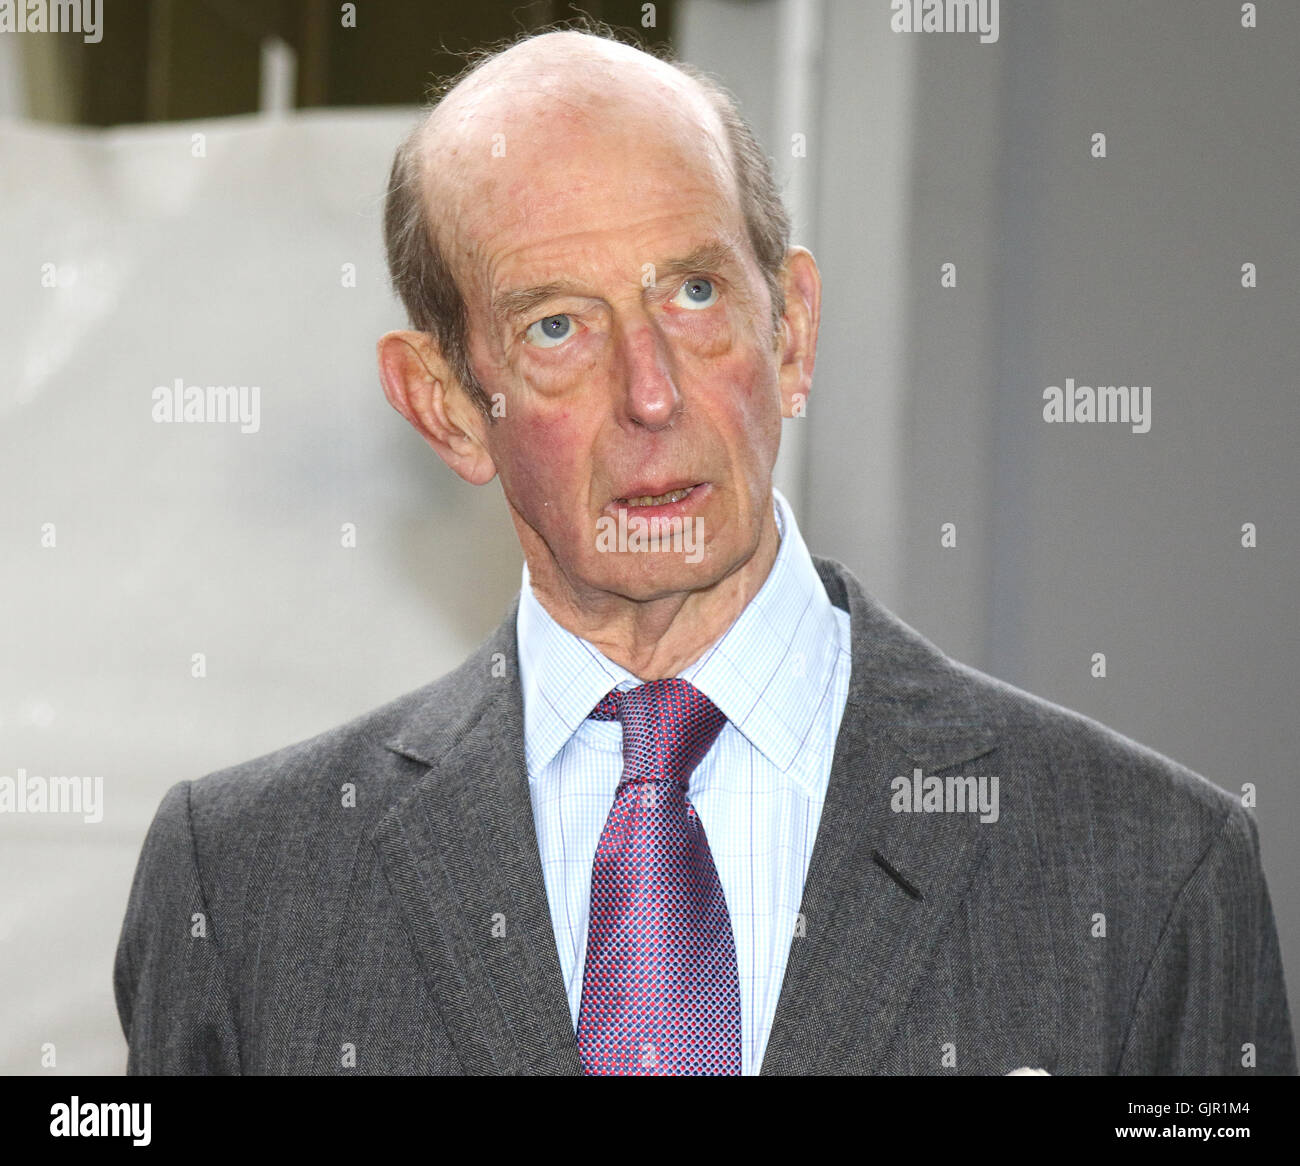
(650, 391)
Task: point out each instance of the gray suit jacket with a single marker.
(1114, 919)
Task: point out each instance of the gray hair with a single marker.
(423, 278)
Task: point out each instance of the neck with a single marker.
(656, 638)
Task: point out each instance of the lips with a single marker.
(662, 499)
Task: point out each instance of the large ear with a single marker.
(420, 385)
(798, 339)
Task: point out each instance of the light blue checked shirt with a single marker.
(780, 673)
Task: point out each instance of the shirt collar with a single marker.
(767, 673)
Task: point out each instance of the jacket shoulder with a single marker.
(1097, 781)
(1078, 756)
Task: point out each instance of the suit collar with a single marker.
(444, 712)
(462, 857)
(867, 932)
(915, 695)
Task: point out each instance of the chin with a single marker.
(655, 575)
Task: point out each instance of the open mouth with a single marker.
(656, 499)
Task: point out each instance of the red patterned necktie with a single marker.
(660, 989)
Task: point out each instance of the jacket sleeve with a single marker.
(172, 995)
(1213, 1000)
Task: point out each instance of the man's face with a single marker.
(646, 362)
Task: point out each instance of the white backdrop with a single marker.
(177, 539)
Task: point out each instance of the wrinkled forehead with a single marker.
(529, 155)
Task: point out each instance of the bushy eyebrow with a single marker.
(708, 257)
(516, 303)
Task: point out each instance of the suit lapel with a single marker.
(462, 858)
(866, 934)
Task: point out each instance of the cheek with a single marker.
(755, 393)
(540, 459)
(733, 351)
(753, 417)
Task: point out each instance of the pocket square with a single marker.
(1028, 1073)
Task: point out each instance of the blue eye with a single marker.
(698, 293)
(549, 331)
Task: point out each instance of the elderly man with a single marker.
(699, 805)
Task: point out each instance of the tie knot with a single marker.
(668, 726)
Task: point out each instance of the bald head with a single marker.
(565, 74)
(556, 106)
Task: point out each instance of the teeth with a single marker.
(658, 499)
